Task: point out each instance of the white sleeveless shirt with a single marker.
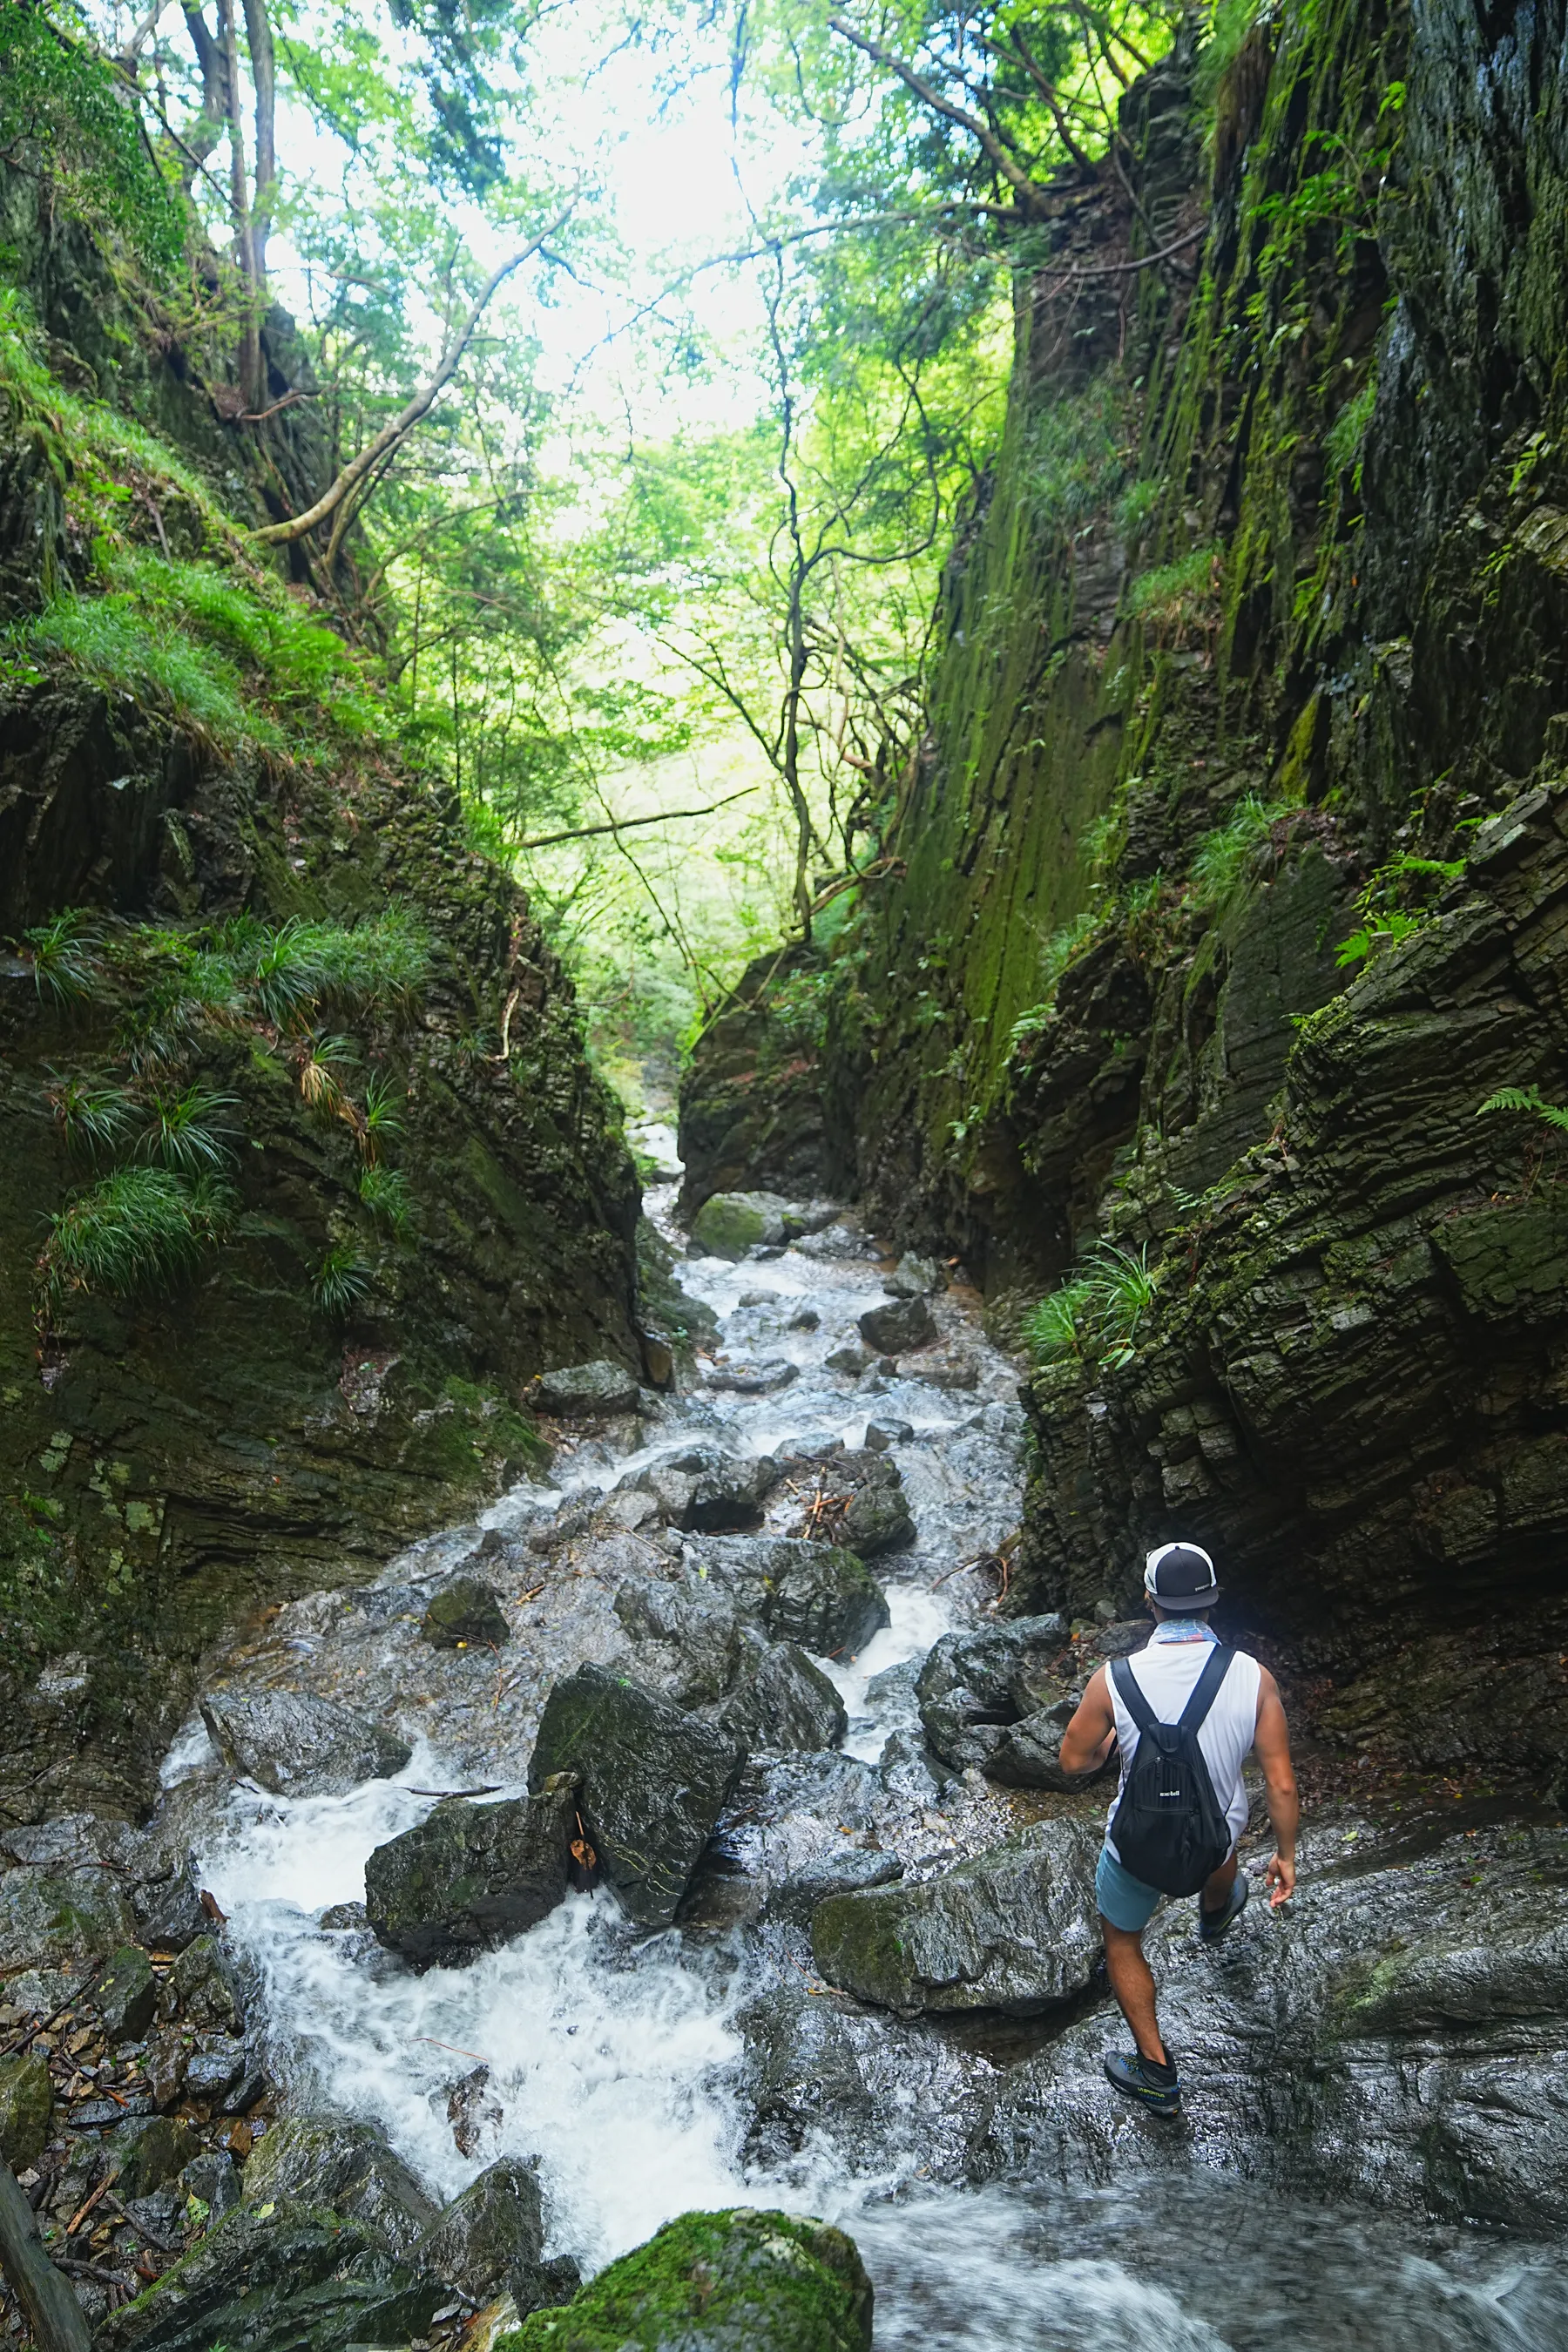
(1166, 1672)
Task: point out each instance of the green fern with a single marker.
(1526, 1098)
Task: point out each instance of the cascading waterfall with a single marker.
(612, 2059)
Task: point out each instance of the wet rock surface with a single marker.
(472, 1875)
(1013, 1929)
(300, 1747)
(652, 1781)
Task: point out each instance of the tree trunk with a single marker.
(250, 382)
(264, 80)
(56, 2319)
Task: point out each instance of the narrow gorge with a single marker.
(537, 1629)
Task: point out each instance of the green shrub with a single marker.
(140, 1229)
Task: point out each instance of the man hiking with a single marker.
(1184, 1714)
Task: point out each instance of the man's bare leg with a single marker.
(1133, 1984)
(1216, 1890)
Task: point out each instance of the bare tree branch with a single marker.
(624, 823)
(1017, 179)
(281, 533)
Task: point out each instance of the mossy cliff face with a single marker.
(339, 1370)
(1311, 688)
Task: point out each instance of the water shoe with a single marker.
(1158, 2088)
(1211, 1928)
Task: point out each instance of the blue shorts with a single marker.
(1124, 1900)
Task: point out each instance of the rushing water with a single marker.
(612, 2058)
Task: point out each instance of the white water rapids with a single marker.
(614, 2059)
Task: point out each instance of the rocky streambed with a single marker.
(686, 1837)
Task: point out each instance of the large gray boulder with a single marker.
(469, 1875)
(781, 1701)
(495, 2227)
(728, 1225)
(348, 2168)
(61, 1918)
(654, 1782)
(816, 1594)
(1014, 1930)
(901, 1324)
(299, 1746)
(705, 1488)
(588, 1392)
(280, 2276)
(974, 1686)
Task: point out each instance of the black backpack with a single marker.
(1168, 1828)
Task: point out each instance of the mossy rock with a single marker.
(26, 2102)
(730, 1223)
(738, 2282)
(464, 1614)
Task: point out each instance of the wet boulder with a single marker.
(752, 1376)
(203, 1989)
(706, 1489)
(299, 1746)
(916, 1277)
(148, 2150)
(60, 1917)
(469, 1875)
(1013, 1928)
(763, 2281)
(654, 1782)
(1026, 1757)
(282, 2277)
(326, 2161)
(588, 1392)
(839, 1869)
(728, 1225)
(901, 1325)
(781, 1701)
(818, 1594)
(27, 2104)
(973, 1687)
(495, 2228)
(688, 1637)
(878, 1519)
(465, 1613)
(126, 1994)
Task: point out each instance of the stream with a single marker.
(615, 2059)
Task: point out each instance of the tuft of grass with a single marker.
(301, 661)
(324, 1061)
(1222, 857)
(62, 953)
(112, 640)
(138, 1230)
(188, 1131)
(384, 1191)
(1098, 1314)
(92, 1117)
(303, 964)
(1170, 595)
(382, 1119)
(339, 1282)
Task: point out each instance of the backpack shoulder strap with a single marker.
(1206, 1690)
(1132, 1692)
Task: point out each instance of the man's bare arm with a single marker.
(1271, 1745)
(1089, 1738)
